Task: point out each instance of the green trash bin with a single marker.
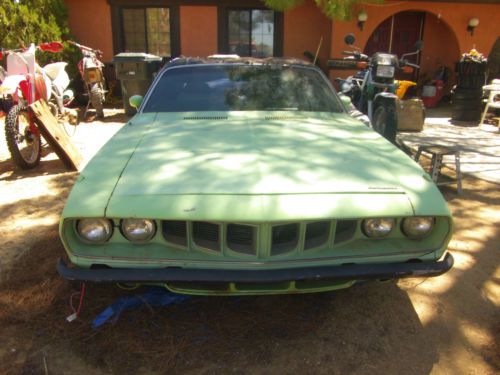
(135, 72)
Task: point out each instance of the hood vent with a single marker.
(205, 118)
(290, 117)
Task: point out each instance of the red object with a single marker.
(408, 69)
(1, 55)
(51, 47)
(26, 90)
(362, 65)
(40, 88)
(432, 101)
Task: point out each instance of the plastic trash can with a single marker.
(135, 72)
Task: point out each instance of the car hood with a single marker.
(209, 163)
(267, 155)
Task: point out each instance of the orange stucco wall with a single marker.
(90, 24)
(304, 26)
(198, 30)
(454, 15)
(445, 30)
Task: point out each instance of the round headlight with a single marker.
(417, 227)
(97, 230)
(138, 230)
(378, 228)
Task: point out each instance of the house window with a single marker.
(147, 30)
(251, 32)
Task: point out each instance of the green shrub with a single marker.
(38, 21)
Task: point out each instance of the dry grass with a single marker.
(443, 325)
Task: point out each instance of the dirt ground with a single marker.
(445, 325)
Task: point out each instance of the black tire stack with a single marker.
(467, 97)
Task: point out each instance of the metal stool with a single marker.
(437, 152)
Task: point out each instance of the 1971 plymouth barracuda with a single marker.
(247, 176)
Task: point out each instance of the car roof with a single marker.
(234, 59)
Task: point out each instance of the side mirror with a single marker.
(345, 100)
(349, 39)
(419, 45)
(135, 101)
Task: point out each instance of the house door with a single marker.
(397, 35)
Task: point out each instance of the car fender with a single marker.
(384, 98)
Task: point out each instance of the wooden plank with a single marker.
(55, 135)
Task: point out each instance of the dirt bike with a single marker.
(5, 101)
(373, 89)
(90, 68)
(25, 83)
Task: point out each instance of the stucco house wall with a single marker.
(445, 30)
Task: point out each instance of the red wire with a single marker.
(80, 304)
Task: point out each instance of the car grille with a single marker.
(316, 234)
(175, 232)
(206, 235)
(284, 238)
(241, 238)
(244, 238)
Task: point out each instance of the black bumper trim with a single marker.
(333, 273)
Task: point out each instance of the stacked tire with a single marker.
(467, 97)
(466, 104)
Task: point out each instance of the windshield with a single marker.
(241, 88)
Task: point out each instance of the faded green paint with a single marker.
(160, 252)
(252, 167)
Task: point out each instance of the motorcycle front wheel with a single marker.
(385, 121)
(97, 99)
(25, 147)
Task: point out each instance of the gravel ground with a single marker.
(444, 325)
(479, 146)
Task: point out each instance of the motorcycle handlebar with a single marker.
(85, 48)
(357, 55)
(54, 47)
(406, 63)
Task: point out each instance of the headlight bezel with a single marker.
(423, 235)
(127, 236)
(365, 223)
(385, 71)
(107, 223)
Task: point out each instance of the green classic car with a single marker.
(247, 176)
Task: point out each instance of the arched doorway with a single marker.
(398, 33)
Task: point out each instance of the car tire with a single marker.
(467, 94)
(385, 121)
(24, 146)
(97, 99)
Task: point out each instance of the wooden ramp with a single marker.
(55, 135)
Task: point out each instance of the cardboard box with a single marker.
(411, 115)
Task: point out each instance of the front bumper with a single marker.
(346, 272)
